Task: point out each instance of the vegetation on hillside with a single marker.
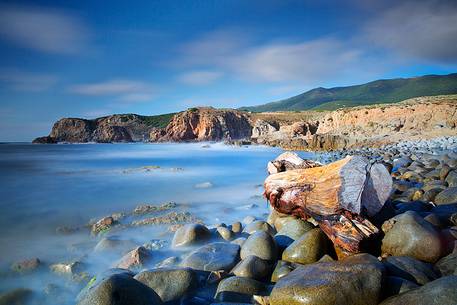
(158, 121)
(376, 92)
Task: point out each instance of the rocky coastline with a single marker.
(421, 118)
(283, 259)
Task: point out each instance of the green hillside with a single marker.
(158, 121)
(376, 92)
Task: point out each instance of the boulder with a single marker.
(252, 267)
(169, 283)
(409, 234)
(190, 234)
(213, 257)
(260, 244)
(394, 285)
(447, 196)
(238, 289)
(439, 292)
(355, 281)
(282, 268)
(237, 227)
(26, 266)
(451, 178)
(18, 296)
(294, 228)
(410, 269)
(448, 264)
(307, 249)
(224, 233)
(114, 244)
(119, 289)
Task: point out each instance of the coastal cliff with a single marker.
(414, 119)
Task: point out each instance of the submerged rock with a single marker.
(18, 296)
(114, 244)
(169, 283)
(213, 257)
(135, 259)
(147, 208)
(103, 225)
(26, 266)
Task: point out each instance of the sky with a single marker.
(94, 58)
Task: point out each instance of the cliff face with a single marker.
(205, 124)
(196, 124)
(418, 118)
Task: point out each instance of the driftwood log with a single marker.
(289, 160)
(339, 196)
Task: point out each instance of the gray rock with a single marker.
(439, 292)
(213, 257)
(239, 241)
(26, 266)
(224, 233)
(119, 289)
(169, 283)
(237, 227)
(448, 264)
(252, 267)
(410, 269)
(249, 219)
(257, 226)
(18, 296)
(135, 259)
(447, 196)
(355, 281)
(408, 234)
(190, 234)
(295, 228)
(238, 289)
(114, 244)
(307, 249)
(451, 178)
(260, 244)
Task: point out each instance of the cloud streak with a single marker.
(49, 31)
(18, 80)
(124, 90)
(199, 78)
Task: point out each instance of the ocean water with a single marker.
(43, 187)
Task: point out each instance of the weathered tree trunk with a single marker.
(287, 161)
(338, 196)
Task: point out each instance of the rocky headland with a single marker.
(364, 126)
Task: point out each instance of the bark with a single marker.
(287, 161)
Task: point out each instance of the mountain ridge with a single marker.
(374, 92)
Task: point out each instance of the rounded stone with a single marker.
(119, 289)
(410, 269)
(282, 268)
(451, 178)
(190, 234)
(408, 234)
(225, 233)
(295, 228)
(395, 285)
(237, 227)
(260, 244)
(169, 283)
(252, 267)
(238, 289)
(213, 257)
(259, 225)
(307, 249)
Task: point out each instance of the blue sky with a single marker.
(92, 58)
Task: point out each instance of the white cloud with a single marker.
(50, 31)
(199, 77)
(26, 81)
(419, 29)
(124, 90)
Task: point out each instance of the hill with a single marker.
(376, 92)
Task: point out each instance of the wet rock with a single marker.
(135, 259)
(352, 281)
(394, 285)
(448, 196)
(114, 244)
(155, 244)
(169, 262)
(259, 225)
(239, 241)
(147, 208)
(190, 234)
(238, 289)
(171, 218)
(213, 257)
(224, 233)
(260, 244)
(169, 283)
(430, 195)
(237, 227)
(252, 267)
(408, 234)
(434, 220)
(71, 268)
(119, 289)
(26, 266)
(410, 269)
(439, 292)
(282, 268)
(294, 228)
(307, 249)
(19, 296)
(249, 219)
